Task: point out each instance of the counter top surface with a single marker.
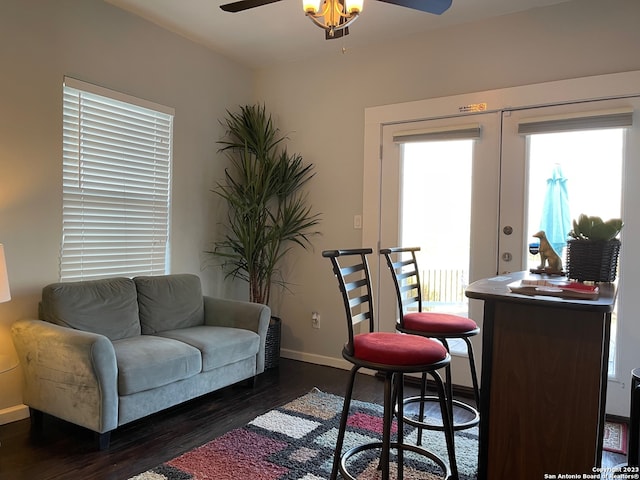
(497, 288)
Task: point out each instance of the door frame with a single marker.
(617, 85)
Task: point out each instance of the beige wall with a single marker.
(322, 102)
(40, 42)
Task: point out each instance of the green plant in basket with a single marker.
(594, 228)
(592, 253)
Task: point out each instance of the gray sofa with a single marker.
(107, 352)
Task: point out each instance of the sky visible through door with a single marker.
(436, 215)
(591, 163)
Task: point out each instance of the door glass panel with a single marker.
(574, 172)
(436, 216)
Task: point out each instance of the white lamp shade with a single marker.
(312, 6)
(5, 293)
(354, 5)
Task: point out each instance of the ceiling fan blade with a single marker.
(245, 5)
(437, 7)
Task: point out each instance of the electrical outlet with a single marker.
(315, 319)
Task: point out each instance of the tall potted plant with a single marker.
(268, 212)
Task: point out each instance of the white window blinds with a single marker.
(456, 132)
(116, 184)
(615, 118)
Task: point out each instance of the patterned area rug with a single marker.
(615, 437)
(296, 442)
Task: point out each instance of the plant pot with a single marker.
(272, 347)
(595, 261)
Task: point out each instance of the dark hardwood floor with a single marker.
(64, 451)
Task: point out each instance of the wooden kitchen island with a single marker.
(544, 381)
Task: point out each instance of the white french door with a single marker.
(439, 189)
(501, 178)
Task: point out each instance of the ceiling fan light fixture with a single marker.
(332, 15)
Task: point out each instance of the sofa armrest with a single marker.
(237, 314)
(70, 374)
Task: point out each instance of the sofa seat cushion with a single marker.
(167, 302)
(146, 362)
(108, 306)
(220, 346)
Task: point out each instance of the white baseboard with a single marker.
(316, 359)
(328, 361)
(13, 414)
(320, 360)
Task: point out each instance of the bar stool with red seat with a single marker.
(403, 265)
(392, 354)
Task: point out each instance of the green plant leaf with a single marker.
(594, 228)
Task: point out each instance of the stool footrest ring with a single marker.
(439, 427)
(394, 445)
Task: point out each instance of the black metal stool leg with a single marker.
(400, 436)
(423, 393)
(387, 422)
(447, 422)
(474, 375)
(448, 382)
(634, 420)
(343, 423)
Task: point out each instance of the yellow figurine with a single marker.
(548, 255)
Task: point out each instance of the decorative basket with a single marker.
(272, 347)
(595, 261)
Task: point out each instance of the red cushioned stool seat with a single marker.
(394, 349)
(438, 323)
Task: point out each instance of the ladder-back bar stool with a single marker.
(392, 354)
(403, 265)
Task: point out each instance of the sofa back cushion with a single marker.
(108, 307)
(167, 302)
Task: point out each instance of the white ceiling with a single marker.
(280, 32)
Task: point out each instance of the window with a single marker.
(116, 184)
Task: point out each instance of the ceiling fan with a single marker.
(335, 16)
